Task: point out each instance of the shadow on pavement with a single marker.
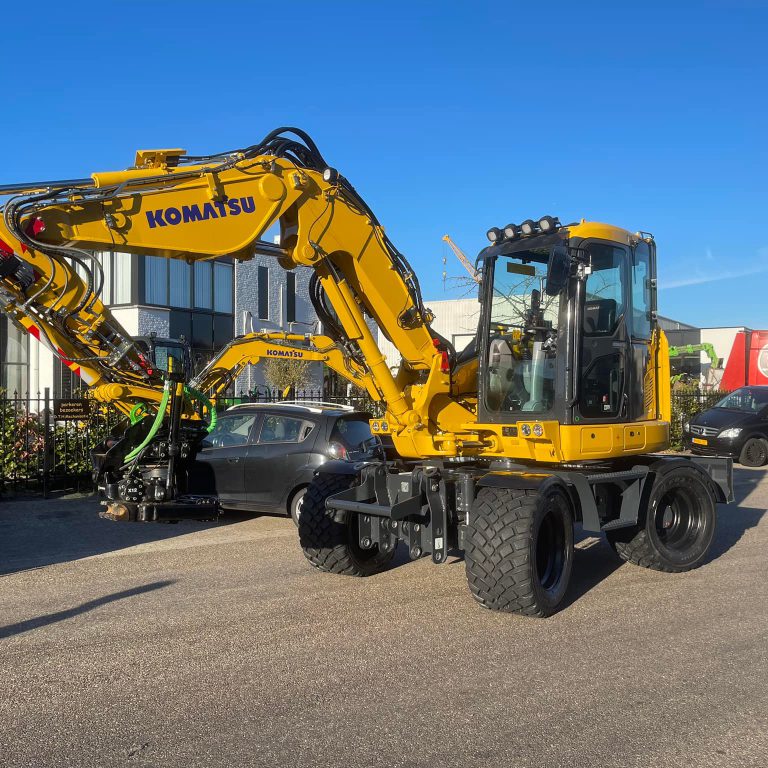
(733, 520)
(36, 532)
(52, 618)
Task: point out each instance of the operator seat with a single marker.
(599, 316)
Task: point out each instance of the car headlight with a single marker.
(730, 433)
(686, 427)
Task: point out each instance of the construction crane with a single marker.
(461, 256)
(554, 415)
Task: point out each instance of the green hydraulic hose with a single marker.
(138, 412)
(155, 424)
(197, 395)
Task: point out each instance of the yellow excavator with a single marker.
(553, 416)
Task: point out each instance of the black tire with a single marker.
(330, 539)
(295, 505)
(754, 453)
(678, 528)
(519, 550)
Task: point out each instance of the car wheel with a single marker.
(297, 502)
(754, 453)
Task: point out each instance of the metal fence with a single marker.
(686, 403)
(45, 442)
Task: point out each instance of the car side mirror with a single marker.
(558, 270)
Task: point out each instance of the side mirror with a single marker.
(558, 270)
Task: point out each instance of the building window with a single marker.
(290, 297)
(263, 288)
(105, 259)
(121, 278)
(181, 284)
(14, 356)
(222, 287)
(203, 285)
(156, 280)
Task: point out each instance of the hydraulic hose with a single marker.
(155, 424)
(196, 394)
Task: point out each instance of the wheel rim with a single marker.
(678, 521)
(551, 551)
(755, 451)
(299, 506)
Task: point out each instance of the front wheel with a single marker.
(754, 453)
(519, 550)
(331, 538)
(678, 528)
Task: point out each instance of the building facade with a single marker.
(268, 298)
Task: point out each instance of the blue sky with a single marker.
(447, 117)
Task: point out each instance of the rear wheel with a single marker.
(519, 551)
(331, 538)
(679, 525)
(754, 453)
(296, 505)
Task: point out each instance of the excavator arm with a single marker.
(195, 208)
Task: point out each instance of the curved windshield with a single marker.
(746, 399)
(522, 343)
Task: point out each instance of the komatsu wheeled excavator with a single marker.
(555, 415)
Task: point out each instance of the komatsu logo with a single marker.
(162, 217)
(293, 353)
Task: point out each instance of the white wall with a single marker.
(455, 320)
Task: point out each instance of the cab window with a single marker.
(605, 303)
(641, 291)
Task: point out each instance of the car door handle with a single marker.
(233, 459)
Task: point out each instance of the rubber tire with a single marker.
(330, 538)
(641, 544)
(295, 503)
(754, 453)
(500, 550)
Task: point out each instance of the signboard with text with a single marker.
(71, 408)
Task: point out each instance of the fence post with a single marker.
(46, 441)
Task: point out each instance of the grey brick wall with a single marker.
(153, 321)
(247, 301)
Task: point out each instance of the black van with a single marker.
(737, 426)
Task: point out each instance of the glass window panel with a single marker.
(222, 287)
(14, 379)
(203, 287)
(263, 288)
(156, 280)
(290, 297)
(15, 344)
(121, 278)
(181, 283)
(604, 303)
(105, 260)
(282, 429)
(641, 292)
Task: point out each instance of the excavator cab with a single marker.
(568, 317)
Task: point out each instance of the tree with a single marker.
(284, 373)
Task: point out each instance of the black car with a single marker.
(737, 426)
(261, 457)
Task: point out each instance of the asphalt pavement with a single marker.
(217, 645)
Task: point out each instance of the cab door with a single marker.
(219, 466)
(605, 342)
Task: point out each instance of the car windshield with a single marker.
(745, 399)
